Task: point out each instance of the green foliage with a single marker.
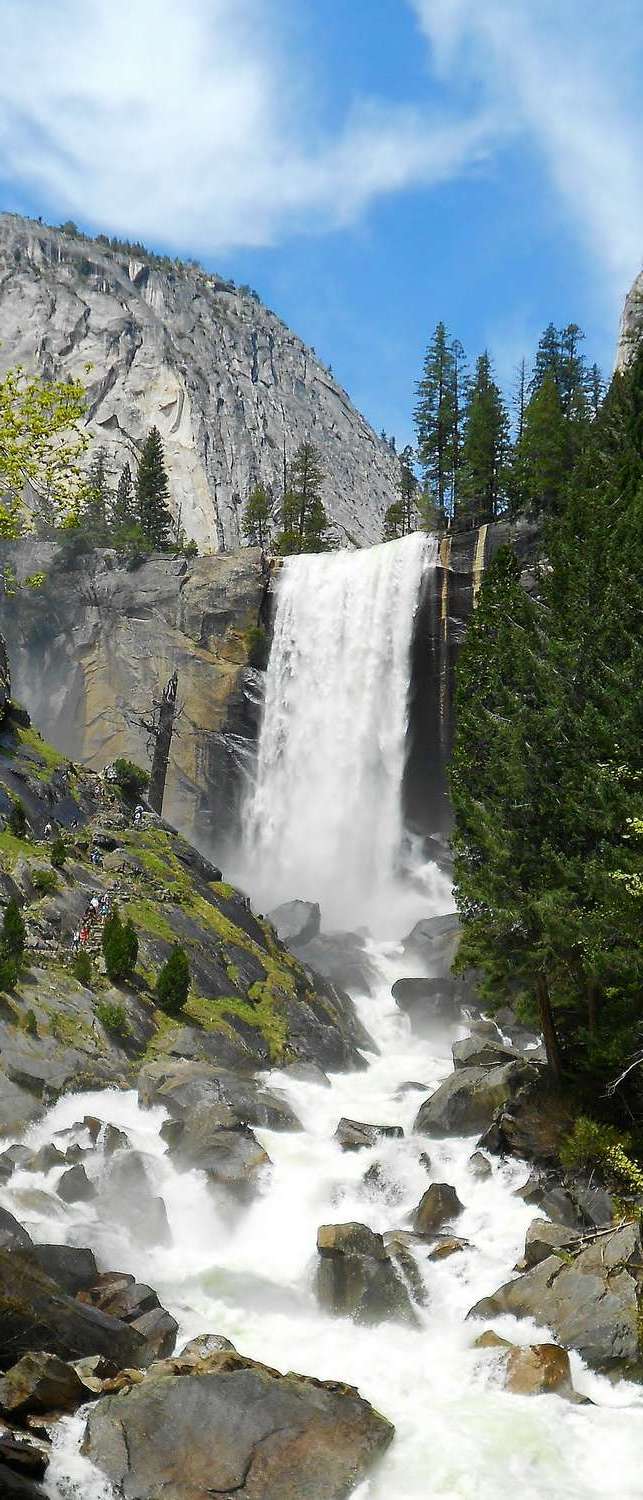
(13, 934)
(113, 1017)
(256, 518)
(81, 968)
(42, 444)
(44, 882)
(258, 645)
(587, 1144)
(9, 973)
(305, 522)
(438, 419)
(58, 852)
(30, 1023)
(131, 780)
(17, 819)
(173, 983)
(152, 493)
(120, 947)
(485, 447)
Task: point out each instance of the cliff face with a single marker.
(230, 388)
(631, 329)
(97, 641)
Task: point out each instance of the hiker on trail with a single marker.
(84, 935)
(96, 857)
(93, 906)
(48, 830)
(139, 813)
(75, 940)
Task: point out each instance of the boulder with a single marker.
(73, 1269)
(435, 942)
(479, 1165)
(47, 1157)
(159, 1329)
(491, 1340)
(120, 1296)
(75, 1186)
(537, 1370)
(543, 1238)
(40, 1383)
(398, 1246)
(235, 1427)
(126, 1191)
(591, 1301)
(468, 1099)
(352, 1135)
(341, 957)
(481, 1052)
(430, 1004)
(356, 1276)
(306, 1072)
(12, 1234)
(570, 1200)
(438, 1204)
(204, 1345)
(114, 1140)
(25, 1456)
(14, 1158)
(183, 1087)
(296, 922)
(211, 1140)
(17, 1486)
(36, 1313)
(448, 1245)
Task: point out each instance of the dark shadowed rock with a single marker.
(41, 1383)
(438, 1205)
(13, 1236)
(352, 1135)
(36, 1313)
(430, 1004)
(26, 1456)
(356, 1276)
(296, 922)
(12, 1159)
(236, 1428)
(469, 1098)
(480, 1052)
(18, 1486)
(74, 1186)
(340, 957)
(590, 1302)
(73, 1269)
(120, 1296)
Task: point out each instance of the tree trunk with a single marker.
(158, 775)
(548, 1025)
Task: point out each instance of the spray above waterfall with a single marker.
(323, 818)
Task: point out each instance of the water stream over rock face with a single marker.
(323, 820)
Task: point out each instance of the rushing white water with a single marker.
(323, 820)
(250, 1276)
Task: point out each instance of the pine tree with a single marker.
(173, 983)
(596, 390)
(305, 522)
(120, 947)
(394, 521)
(408, 491)
(435, 419)
(124, 509)
(484, 449)
(548, 360)
(543, 457)
(257, 517)
(13, 934)
(573, 377)
(152, 493)
(94, 512)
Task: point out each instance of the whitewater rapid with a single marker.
(323, 815)
(250, 1275)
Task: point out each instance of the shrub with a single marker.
(9, 973)
(589, 1143)
(13, 935)
(17, 820)
(113, 1017)
(30, 1024)
(120, 947)
(58, 853)
(173, 983)
(44, 882)
(82, 968)
(131, 780)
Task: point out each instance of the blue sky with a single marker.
(370, 166)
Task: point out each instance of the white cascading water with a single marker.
(249, 1274)
(323, 819)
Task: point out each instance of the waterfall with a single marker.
(323, 819)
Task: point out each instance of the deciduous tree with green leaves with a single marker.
(42, 445)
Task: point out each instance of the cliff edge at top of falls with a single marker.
(251, 1002)
(231, 389)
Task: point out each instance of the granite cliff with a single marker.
(631, 328)
(231, 389)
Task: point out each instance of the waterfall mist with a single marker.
(323, 818)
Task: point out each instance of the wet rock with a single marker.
(377, 1181)
(568, 1200)
(236, 1427)
(356, 1276)
(590, 1302)
(23, 1455)
(469, 1098)
(13, 1159)
(478, 1052)
(114, 1140)
(537, 1370)
(183, 1087)
(353, 1135)
(17, 1486)
(159, 1329)
(341, 957)
(120, 1296)
(73, 1269)
(479, 1165)
(296, 922)
(307, 1072)
(212, 1140)
(435, 941)
(204, 1345)
(398, 1246)
(127, 1193)
(13, 1236)
(438, 1205)
(491, 1340)
(447, 1246)
(432, 1005)
(36, 1313)
(543, 1238)
(40, 1383)
(47, 1157)
(74, 1186)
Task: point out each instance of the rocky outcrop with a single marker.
(590, 1299)
(357, 1276)
(631, 329)
(231, 389)
(439, 1205)
(229, 1426)
(469, 1099)
(97, 641)
(36, 1314)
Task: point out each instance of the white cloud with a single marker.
(191, 123)
(566, 73)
